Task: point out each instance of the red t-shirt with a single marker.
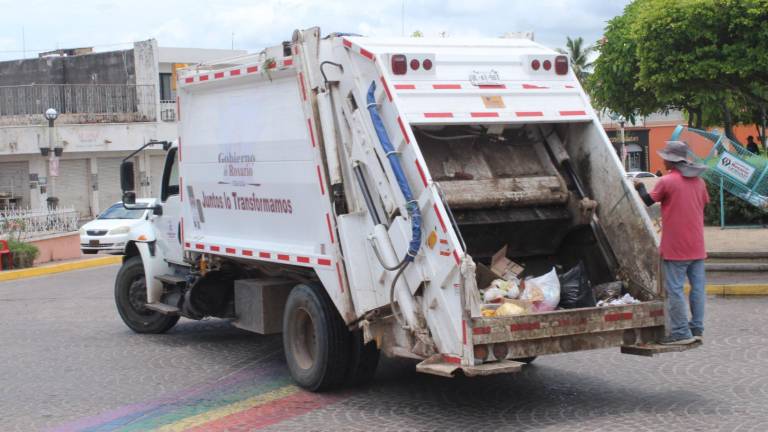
(682, 216)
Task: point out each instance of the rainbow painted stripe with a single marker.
(252, 398)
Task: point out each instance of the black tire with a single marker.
(131, 296)
(89, 252)
(315, 339)
(363, 360)
(528, 360)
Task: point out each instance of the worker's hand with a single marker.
(638, 184)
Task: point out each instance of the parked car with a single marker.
(110, 230)
(640, 174)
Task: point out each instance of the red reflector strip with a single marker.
(439, 218)
(481, 330)
(234, 72)
(303, 90)
(181, 182)
(265, 255)
(323, 261)
(533, 87)
(529, 114)
(330, 229)
(187, 244)
(230, 250)
(365, 53)
(446, 86)
(347, 43)
(484, 114)
(620, 316)
(386, 88)
(203, 77)
(341, 280)
(525, 326)
(492, 86)
(189, 80)
(311, 132)
(320, 180)
(215, 249)
(287, 62)
(657, 313)
(402, 129)
(569, 86)
(438, 115)
(456, 257)
(252, 69)
(218, 75)
(421, 173)
(283, 257)
(199, 246)
(451, 359)
(405, 87)
(247, 252)
(572, 113)
(463, 332)
(303, 260)
(272, 65)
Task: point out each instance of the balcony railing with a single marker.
(168, 110)
(78, 103)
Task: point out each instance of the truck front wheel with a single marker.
(131, 296)
(315, 339)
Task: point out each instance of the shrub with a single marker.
(737, 211)
(24, 254)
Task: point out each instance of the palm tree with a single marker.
(579, 55)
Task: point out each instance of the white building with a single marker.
(111, 103)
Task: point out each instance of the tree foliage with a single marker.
(707, 57)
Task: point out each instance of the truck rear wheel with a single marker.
(131, 296)
(363, 361)
(315, 339)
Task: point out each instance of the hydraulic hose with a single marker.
(411, 205)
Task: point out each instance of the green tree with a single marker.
(579, 56)
(707, 57)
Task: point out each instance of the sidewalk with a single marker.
(746, 240)
(61, 266)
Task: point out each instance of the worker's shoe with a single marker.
(698, 334)
(672, 340)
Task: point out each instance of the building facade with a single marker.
(109, 104)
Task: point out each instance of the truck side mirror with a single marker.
(126, 177)
(129, 198)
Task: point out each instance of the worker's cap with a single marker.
(679, 154)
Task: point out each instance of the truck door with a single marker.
(168, 225)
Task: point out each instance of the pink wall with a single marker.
(58, 247)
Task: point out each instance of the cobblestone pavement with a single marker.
(67, 363)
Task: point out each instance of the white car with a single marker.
(640, 174)
(110, 230)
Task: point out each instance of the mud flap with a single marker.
(649, 350)
(436, 365)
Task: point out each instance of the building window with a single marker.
(166, 93)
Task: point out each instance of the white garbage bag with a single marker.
(543, 291)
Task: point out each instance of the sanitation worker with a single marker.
(683, 195)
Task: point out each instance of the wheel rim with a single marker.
(137, 296)
(304, 339)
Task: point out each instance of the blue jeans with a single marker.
(677, 311)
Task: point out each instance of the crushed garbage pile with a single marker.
(506, 294)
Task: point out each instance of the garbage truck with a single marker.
(351, 193)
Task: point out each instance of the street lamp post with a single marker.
(53, 152)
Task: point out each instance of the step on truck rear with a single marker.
(343, 190)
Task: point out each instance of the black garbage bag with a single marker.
(575, 288)
(609, 290)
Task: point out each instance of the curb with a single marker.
(735, 289)
(59, 268)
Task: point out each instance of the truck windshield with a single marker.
(117, 211)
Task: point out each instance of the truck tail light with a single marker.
(547, 65)
(535, 65)
(399, 64)
(561, 65)
(427, 64)
(415, 64)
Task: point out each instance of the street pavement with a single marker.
(67, 363)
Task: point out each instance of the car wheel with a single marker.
(131, 296)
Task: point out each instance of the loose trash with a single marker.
(624, 300)
(510, 287)
(510, 309)
(609, 290)
(503, 267)
(543, 291)
(575, 288)
(493, 295)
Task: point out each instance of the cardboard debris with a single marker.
(503, 267)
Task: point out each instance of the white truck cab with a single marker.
(343, 190)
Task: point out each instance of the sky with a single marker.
(30, 26)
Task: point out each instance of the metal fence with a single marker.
(168, 110)
(26, 224)
(128, 101)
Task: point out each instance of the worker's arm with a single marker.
(640, 188)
